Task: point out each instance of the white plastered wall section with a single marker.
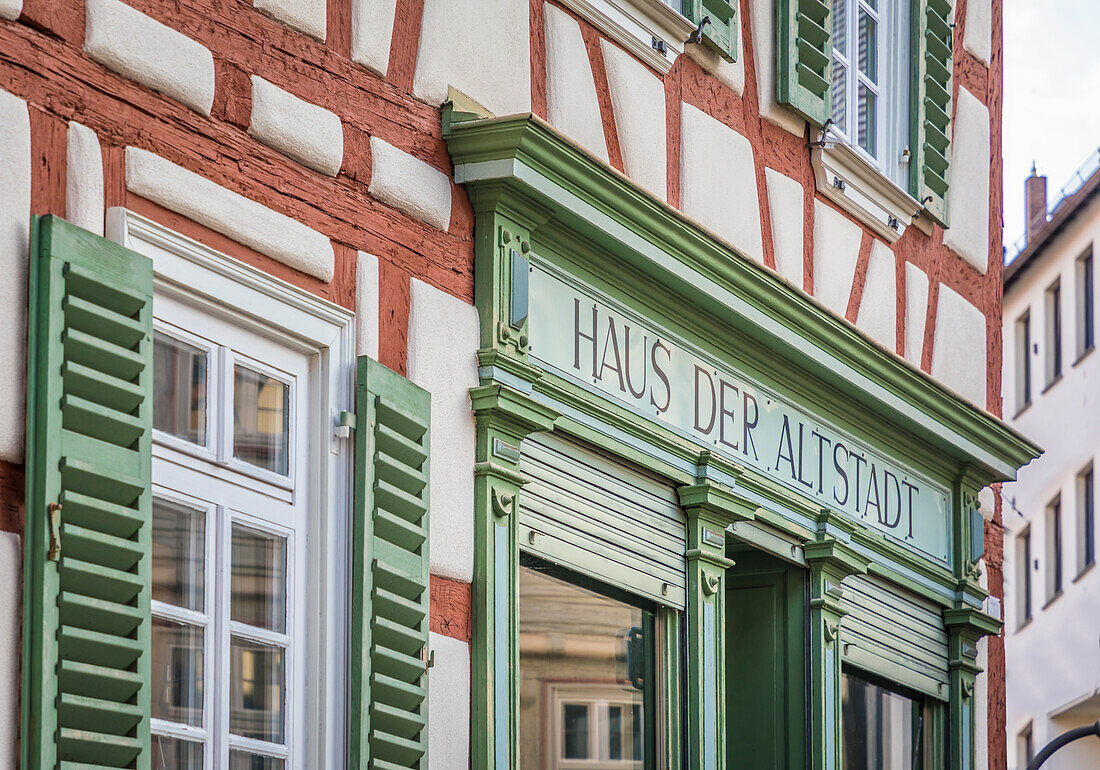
(15, 215)
(11, 585)
(449, 704)
(571, 102)
(444, 336)
(1065, 421)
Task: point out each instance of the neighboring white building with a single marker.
(1052, 589)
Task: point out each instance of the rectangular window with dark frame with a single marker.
(1023, 361)
(1086, 334)
(1086, 520)
(1054, 548)
(1023, 578)
(1053, 303)
(882, 727)
(1025, 747)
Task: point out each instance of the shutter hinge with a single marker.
(345, 424)
(429, 658)
(55, 532)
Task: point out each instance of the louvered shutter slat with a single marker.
(932, 44)
(390, 597)
(88, 449)
(804, 57)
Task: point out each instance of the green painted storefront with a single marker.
(790, 504)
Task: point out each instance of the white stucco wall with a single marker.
(308, 16)
(878, 313)
(309, 134)
(366, 305)
(718, 181)
(1065, 421)
(968, 177)
(84, 179)
(372, 33)
(481, 47)
(571, 103)
(978, 32)
(762, 18)
(11, 585)
(409, 184)
(786, 204)
(836, 251)
(449, 704)
(916, 312)
(15, 215)
(959, 347)
(444, 335)
(638, 98)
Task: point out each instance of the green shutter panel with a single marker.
(895, 634)
(931, 111)
(721, 31)
(805, 50)
(86, 622)
(389, 639)
(596, 514)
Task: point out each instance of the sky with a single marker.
(1051, 96)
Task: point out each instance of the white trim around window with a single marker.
(191, 274)
(636, 25)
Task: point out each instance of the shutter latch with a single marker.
(55, 532)
(429, 658)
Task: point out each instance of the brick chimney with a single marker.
(1035, 203)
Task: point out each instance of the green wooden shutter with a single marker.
(721, 32)
(389, 639)
(931, 108)
(895, 634)
(86, 622)
(805, 52)
(596, 514)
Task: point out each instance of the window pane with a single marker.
(867, 127)
(261, 420)
(868, 46)
(177, 672)
(257, 688)
(840, 27)
(575, 731)
(175, 754)
(179, 536)
(239, 760)
(258, 579)
(179, 389)
(879, 726)
(840, 96)
(586, 669)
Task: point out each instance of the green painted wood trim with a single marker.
(522, 166)
(722, 32)
(87, 294)
(390, 597)
(804, 53)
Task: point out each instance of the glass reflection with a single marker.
(257, 689)
(586, 674)
(177, 661)
(179, 389)
(240, 760)
(261, 420)
(178, 543)
(258, 581)
(881, 728)
(175, 754)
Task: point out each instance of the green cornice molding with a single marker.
(500, 406)
(972, 621)
(715, 503)
(522, 163)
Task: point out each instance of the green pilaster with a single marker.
(831, 559)
(965, 627)
(968, 546)
(504, 418)
(710, 508)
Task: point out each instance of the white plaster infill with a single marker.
(409, 184)
(636, 25)
(231, 214)
(308, 16)
(141, 48)
(84, 179)
(859, 188)
(309, 134)
(372, 33)
(10, 9)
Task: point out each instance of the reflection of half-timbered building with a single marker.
(501, 383)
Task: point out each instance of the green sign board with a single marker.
(589, 338)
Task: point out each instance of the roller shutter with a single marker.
(591, 512)
(895, 634)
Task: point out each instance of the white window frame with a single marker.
(1022, 346)
(596, 697)
(872, 187)
(214, 283)
(1086, 518)
(1025, 599)
(636, 24)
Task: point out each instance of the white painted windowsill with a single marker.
(634, 24)
(847, 179)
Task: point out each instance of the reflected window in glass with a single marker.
(179, 388)
(261, 420)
